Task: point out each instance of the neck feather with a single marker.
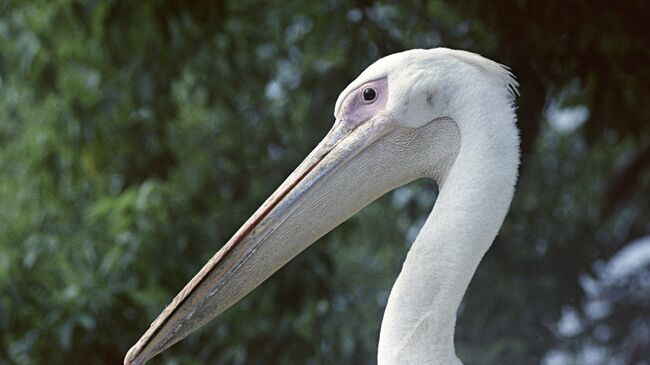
(475, 194)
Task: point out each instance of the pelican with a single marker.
(438, 113)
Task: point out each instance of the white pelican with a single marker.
(437, 113)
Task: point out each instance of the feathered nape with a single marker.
(495, 69)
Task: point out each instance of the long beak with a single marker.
(290, 220)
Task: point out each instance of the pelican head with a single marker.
(405, 117)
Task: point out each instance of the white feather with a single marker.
(476, 190)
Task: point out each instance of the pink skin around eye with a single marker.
(356, 110)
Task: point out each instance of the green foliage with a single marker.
(135, 138)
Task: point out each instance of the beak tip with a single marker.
(131, 357)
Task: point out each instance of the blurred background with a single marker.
(137, 136)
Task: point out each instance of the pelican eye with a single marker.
(369, 94)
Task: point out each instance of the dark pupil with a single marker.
(369, 94)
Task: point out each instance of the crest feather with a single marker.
(497, 70)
